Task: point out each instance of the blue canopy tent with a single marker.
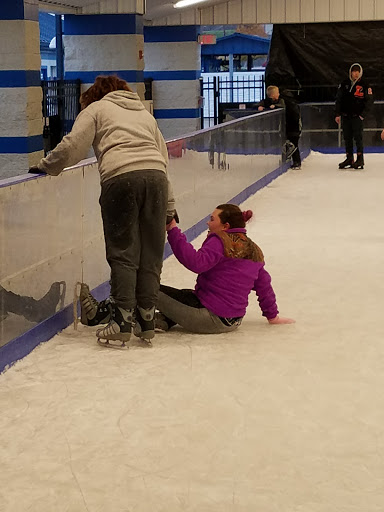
(237, 52)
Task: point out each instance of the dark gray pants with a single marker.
(353, 130)
(134, 209)
(296, 157)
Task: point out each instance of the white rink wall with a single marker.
(51, 228)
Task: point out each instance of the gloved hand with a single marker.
(172, 215)
(35, 170)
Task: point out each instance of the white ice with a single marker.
(286, 418)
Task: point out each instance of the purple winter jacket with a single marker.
(223, 284)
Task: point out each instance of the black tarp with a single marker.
(316, 57)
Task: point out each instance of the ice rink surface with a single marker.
(286, 418)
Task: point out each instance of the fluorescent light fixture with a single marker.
(185, 3)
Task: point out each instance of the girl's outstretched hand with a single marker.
(171, 225)
(281, 320)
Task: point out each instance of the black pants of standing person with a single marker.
(296, 158)
(352, 131)
(134, 210)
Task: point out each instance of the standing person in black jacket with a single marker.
(352, 101)
(292, 125)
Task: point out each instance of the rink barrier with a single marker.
(23, 345)
(204, 188)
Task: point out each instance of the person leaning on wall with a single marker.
(136, 203)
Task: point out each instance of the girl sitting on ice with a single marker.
(229, 265)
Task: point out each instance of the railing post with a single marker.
(216, 96)
(201, 81)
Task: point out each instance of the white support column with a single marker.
(104, 44)
(21, 127)
(173, 61)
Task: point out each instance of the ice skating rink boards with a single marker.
(268, 419)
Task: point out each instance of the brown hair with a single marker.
(102, 86)
(232, 214)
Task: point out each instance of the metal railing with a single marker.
(218, 90)
(60, 109)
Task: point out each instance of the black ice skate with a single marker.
(359, 164)
(288, 149)
(161, 323)
(118, 331)
(92, 311)
(145, 324)
(348, 162)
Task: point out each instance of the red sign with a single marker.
(207, 39)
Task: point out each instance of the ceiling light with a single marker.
(185, 3)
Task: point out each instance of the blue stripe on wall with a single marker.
(21, 145)
(176, 113)
(88, 77)
(329, 150)
(20, 78)
(173, 75)
(12, 10)
(171, 34)
(98, 24)
(24, 344)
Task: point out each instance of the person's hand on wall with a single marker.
(272, 106)
(260, 109)
(338, 119)
(35, 170)
(382, 135)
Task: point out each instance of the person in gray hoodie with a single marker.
(136, 201)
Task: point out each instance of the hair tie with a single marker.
(247, 215)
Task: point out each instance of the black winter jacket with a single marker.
(353, 98)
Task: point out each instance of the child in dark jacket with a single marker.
(229, 265)
(353, 99)
(284, 99)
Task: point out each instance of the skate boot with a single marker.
(92, 311)
(145, 324)
(161, 323)
(118, 331)
(288, 149)
(348, 162)
(359, 164)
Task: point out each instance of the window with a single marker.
(257, 61)
(240, 62)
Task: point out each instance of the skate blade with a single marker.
(106, 343)
(147, 343)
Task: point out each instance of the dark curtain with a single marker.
(314, 58)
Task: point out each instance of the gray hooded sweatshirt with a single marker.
(124, 136)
